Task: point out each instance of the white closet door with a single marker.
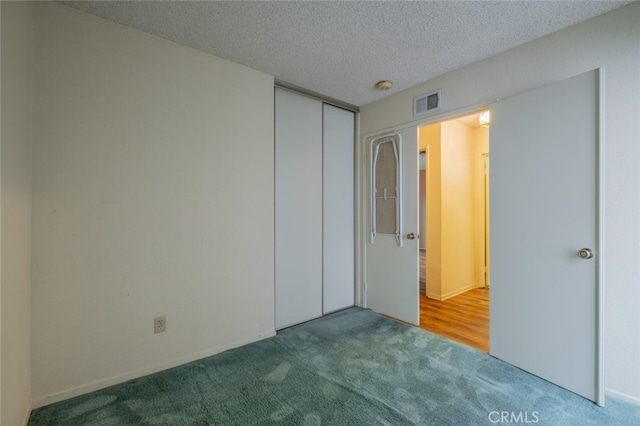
(298, 208)
(338, 232)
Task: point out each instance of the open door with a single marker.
(392, 244)
(545, 253)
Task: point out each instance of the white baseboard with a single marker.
(451, 294)
(121, 378)
(25, 419)
(622, 396)
(434, 296)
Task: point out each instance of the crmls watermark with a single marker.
(514, 417)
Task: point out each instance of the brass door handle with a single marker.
(411, 236)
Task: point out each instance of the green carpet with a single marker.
(350, 368)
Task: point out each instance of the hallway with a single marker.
(463, 318)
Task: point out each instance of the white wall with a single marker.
(430, 140)
(152, 195)
(458, 210)
(15, 369)
(451, 212)
(611, 41)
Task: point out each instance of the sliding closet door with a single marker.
(298, 211)
(338, 229)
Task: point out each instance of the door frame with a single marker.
(600, 197)
(362, 156)
(362, 176)
(485, 255)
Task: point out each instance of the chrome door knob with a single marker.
(585, 253)
(411, 236)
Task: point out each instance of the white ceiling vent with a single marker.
(427, 103)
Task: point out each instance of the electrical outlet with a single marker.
(160, 324)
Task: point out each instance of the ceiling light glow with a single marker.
(485, 119)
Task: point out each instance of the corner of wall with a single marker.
(16, 73)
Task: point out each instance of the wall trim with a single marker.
(425, 121)
(27, 414)
(315, 95)
(145, 371)
(451, 293)
(622, 397)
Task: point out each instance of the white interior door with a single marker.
(392, 260)
(545, 298)
(298, 208)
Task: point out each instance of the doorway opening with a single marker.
(454, 229)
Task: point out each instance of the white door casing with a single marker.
(391, 274)
(545, 202)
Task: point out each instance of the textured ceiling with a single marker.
(341, 49)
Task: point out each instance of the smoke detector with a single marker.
(383, 85)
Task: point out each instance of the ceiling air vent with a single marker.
(427, 103)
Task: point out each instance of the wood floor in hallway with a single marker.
(463, 318)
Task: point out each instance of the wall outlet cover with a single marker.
(159, 324)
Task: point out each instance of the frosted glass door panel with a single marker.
(338, 250)
(298, 208)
